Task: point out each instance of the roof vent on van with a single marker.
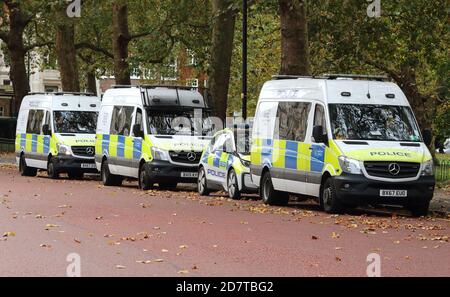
(390, 96)
(346, 94)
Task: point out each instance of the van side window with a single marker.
(293, 120)
(35, 119)
(139, 119)
(319, 117)
(121, 120)
(265, 125)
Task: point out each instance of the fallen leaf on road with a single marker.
(9, 234)
(39, 216)
(77, 240)
(164, 251)
(44, 245)
(158, 260)
(183, 272)
(183, 247)
(120, 267)
(314, 237)
(65, 206)
(52, 226)
(338, 259)
(99, 218)
(334, 235)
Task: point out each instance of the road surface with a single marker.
(121, 231)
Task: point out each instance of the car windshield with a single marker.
(78, 122)
(373, 122)
(179, 122)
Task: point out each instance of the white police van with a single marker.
(346, 140)
(153, 133)
(56, 132)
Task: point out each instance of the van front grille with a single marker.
(185, 157)
(392, 169)
(84, 151)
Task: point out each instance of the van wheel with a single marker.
(268, 193)
(52, 171)
(109, 179)
(145, 183)
(419, 210)
(233, 186)
(328, 198)
(202, 183)
(168, 186)
(24, 169)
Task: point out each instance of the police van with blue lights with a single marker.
(225, 164)
(346, 140)
(56, 133)
(155, 134)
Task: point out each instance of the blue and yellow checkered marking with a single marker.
(120, 146)
(33, 143)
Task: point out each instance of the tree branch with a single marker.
(86, 45)
(37, 44)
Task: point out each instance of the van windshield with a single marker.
(77, 122)
(373, 122)
(178, 122)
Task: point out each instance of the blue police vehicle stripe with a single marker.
(105, 144)
(317, 158)
(291, 154)
(23, 141)
(46, 144)
(137, 148)
(267, 152)
(121, 146)
(34, 143)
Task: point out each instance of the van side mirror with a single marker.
(319, 136)
(427, 137)
(46, 130)
(137, 131)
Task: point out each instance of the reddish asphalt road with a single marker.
(112, 229)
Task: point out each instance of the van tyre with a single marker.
(233, 186)
(108, 179)
(420, 210)
(52, 170)
(329, 200)
(269, 195)
(202, 184)
(145, 182)
(24, 169)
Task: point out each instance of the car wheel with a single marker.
(52, 170)
(269, 195)
(328, 198)
(233, 186)
(202, 184)
(109, 179)
(24, 169)
(145, 183)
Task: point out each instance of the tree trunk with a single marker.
(294, 37)
(91, 82)
(66, 54)
(121, 39)
(221, 54)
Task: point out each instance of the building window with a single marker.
(2, 111)
(192, 83)
(6, 82)
(191, 60)
(51, 89)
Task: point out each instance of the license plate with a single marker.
(88, 166)
(189, 174)
(393, 193)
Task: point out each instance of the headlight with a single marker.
(427, 168)
(64, 149)
(350, 165)
(159, 154)
(245, 163)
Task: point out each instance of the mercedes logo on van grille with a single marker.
(394, 168)
(90, 150)
(191, 157)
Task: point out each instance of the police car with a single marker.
(225, 165)
(155, 134)
(346, 140)
(56, 132)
